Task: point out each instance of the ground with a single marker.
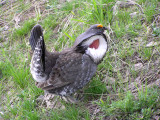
(127, 82)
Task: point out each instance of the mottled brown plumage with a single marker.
(63, 73)
(71, 72)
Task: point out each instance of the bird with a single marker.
(65, 72)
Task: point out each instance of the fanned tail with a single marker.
(38, 59)
(36, 32)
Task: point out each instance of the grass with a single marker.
(24, 30)
(117, 91)
(72, 113)
(129, 107)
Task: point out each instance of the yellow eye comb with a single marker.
(99, 26)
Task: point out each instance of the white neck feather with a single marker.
(96, 54)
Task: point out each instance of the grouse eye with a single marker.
(95, 44)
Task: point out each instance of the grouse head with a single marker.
(93, 42)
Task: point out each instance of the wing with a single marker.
(70, 68)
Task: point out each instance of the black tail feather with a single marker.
(35, 36)
(38, 46)
(40, 52)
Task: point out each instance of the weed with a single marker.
(96, 87)
(146, 53)
(22, 109)
(20, 75)
(71, 113)
(146, 101)
(24, 30)
(150, 9)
